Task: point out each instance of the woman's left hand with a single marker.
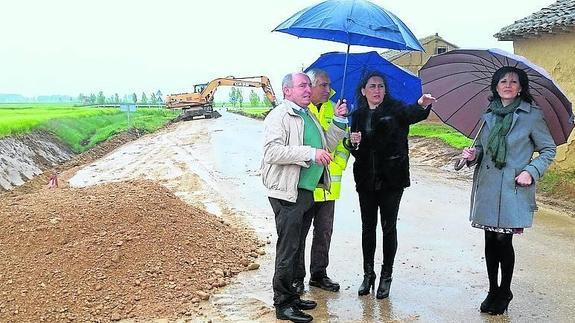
(524, 179)
(426, 100)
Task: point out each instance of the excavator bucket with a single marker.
(212, 114)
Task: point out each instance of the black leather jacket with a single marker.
(382, 158)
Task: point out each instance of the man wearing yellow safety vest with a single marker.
(323, 210)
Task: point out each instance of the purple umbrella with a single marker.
(460, 80)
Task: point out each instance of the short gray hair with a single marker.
(314, 74)
(287, 80)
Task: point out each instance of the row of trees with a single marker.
(100, 98)
(237, 98)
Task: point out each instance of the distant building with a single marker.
(413, 60)
(547, 38)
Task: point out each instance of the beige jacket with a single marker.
(285, 154)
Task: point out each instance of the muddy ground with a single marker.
(123, 250)
(113, 251)
(212, 165)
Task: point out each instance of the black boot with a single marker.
(501, 302)
(368, 280)
(487, 304)
(384, 283)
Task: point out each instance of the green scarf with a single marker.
(496, 142)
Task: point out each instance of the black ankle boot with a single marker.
(368, 281)
(501, 302)
(487, 304)
(384, 284)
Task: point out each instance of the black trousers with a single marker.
(387, 201)
(321, 214)
(289, 220)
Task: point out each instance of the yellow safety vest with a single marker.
(339, 156)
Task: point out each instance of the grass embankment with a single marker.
(80, 127)
(559, 184)
(445, 133)
(252, 112)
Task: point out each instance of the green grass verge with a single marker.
(23, 118)
(79, 127)
(84, 133)
(252, 112)
(447, 134)
(556, 181)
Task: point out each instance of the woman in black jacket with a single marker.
(379, 131)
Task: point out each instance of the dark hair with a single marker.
(360, 99)
(525, 95)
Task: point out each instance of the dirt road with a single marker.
(439, 273)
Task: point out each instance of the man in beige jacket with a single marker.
(296, 153)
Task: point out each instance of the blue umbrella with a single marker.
(402, 84)
(352, 22)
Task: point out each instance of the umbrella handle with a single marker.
(459, 163)
(462, 161)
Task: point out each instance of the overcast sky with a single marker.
(124, 46)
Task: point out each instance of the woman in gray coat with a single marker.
(503, 194)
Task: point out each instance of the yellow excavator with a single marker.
(200, 102)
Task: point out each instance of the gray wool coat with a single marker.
(496, 200)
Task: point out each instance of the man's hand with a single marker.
(340, 108)
(322, 157)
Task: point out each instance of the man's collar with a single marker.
(295, 106)
(311, 104)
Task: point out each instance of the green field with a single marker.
(252, 112)
(443, 132)
(22, 118)
(80, 127)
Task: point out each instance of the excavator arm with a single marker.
(201, 101)
(252, 81)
